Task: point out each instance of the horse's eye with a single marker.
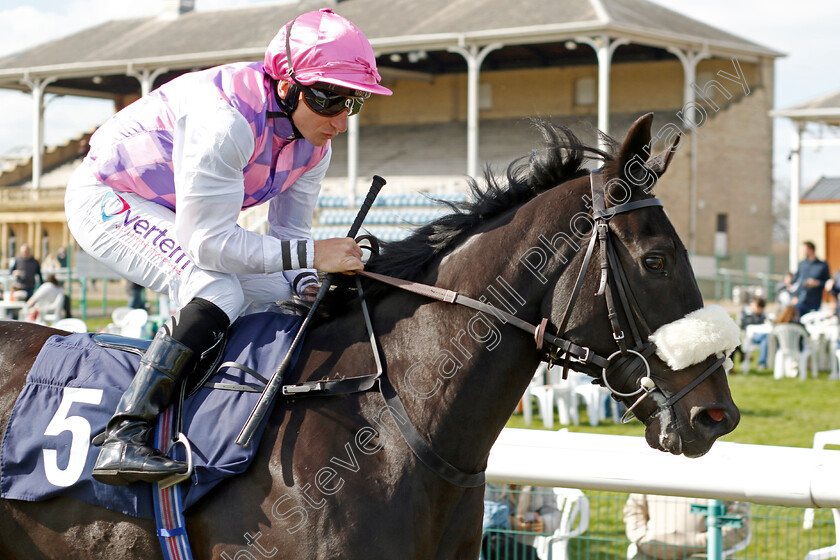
(655, 263)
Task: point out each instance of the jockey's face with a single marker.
(316, 129)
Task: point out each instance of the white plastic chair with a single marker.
(821, 439)
(545, 398)
(71, 325)
(793, 352)
(564, 395)
(117, 318)
(133, 323)
(52, 311)
(574, 521)
(592, 396)
(550, 389)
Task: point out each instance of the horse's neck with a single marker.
(460, 372)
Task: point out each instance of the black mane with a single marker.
(560, 159)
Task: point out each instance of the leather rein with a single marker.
(554, 347)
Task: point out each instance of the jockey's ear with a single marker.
(283, 88)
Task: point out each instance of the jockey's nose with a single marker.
(339, 122)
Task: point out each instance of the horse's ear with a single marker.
(636, 145)
(660, 162)
(636, 148)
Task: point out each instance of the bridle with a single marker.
(556, 348)
(634, 317)
(553, 347)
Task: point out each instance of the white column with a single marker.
(795, 186)
(690, 60)
(37, 86)
(353, 156)
(146, 77)
(604, 48)
(474, 57)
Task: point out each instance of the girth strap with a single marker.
(420, 447)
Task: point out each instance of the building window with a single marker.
(485, 96)
(585, 91)
(722, 235)
(722, 223)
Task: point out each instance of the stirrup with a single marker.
(174, 479)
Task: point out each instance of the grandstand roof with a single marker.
(198, 39)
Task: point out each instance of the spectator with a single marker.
(136, 295)
(832, 286)
(61, 257)
(809, 281)
(784, 290)
(754, 315)
(44, 299)
(789, 314)
(663, 527)
(26, 272)
(54, 262)
(531, 510)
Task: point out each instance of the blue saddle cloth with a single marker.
(73, 389)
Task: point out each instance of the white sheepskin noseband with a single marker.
(695, 337)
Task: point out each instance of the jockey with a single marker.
(158, 196)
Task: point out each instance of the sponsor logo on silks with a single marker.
(112, 206)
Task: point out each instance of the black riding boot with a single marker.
(126, 454)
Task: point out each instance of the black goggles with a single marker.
(328, 103)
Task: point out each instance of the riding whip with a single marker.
(274, 384)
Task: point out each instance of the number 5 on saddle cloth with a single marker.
(73, 388)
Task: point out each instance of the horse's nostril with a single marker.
(715, 421)
(716, 414)
(709, 419)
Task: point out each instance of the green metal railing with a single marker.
(738, 273)
(776, 532)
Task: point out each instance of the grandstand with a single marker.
(465, 89)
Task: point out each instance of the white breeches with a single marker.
(135, 238)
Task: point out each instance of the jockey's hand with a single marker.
(340, 254)
(310, 292)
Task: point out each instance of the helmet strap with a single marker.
(287, 106)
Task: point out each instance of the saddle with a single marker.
(207, 365)
(72, 390)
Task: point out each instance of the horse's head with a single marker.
(638, 308)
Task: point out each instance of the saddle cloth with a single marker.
(73, 389)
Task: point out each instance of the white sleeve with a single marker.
(290, 217)
(212, 146)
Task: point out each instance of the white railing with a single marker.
(763, 474)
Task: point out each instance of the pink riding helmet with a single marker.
(325, 48)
